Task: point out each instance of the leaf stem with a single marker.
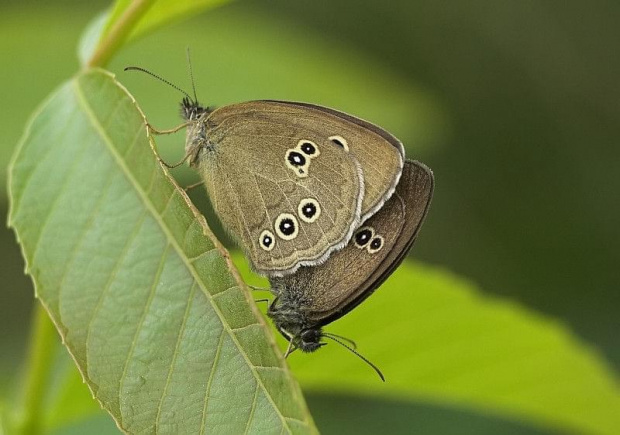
(39, 370)
(118, 33)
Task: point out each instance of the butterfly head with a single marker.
(303, 334)
(192, 110)
(291, 322)
(308, 340)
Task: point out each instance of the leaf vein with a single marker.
(110, 280)
(54, 205)
(252, 409)
(216, 359)
(175, 353)
(145, 310)
(87, 226)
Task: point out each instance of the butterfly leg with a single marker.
(260, 289)
(169, 131)
(152, 130)
(290, 349)
(191, 186)
(177, 164)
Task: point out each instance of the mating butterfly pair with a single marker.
(322, 203)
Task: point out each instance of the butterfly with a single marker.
(315, 296)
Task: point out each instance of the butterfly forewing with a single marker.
(380, 154)
(288, 195)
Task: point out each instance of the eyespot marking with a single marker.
(340, 141)
(286, 226)
(363, 236)
(308, 147)
(375, 244)
(297, 162)
(266, 240)
(309, 210)
(295, 158)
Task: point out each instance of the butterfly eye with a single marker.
(267, 240)
(363, 236)
(375, 245)
(310, 336)
(286, 226)
(309, 210)
(309, 148)
(340, 141)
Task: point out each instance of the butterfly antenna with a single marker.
(191, 75)
(363, 358)
(137, 68)
(348, 340)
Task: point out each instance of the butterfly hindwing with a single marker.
(328, 291)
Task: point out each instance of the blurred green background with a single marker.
(514, 104)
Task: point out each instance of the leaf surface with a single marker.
(142, 295)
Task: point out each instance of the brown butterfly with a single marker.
(315, 296)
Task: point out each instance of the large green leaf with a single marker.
(437, 339)
(137, 286)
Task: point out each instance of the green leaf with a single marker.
(143, 296)
(437, 338)
(129, 19)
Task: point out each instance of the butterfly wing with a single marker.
(380, 154)
(349, 276)
(288, 195)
